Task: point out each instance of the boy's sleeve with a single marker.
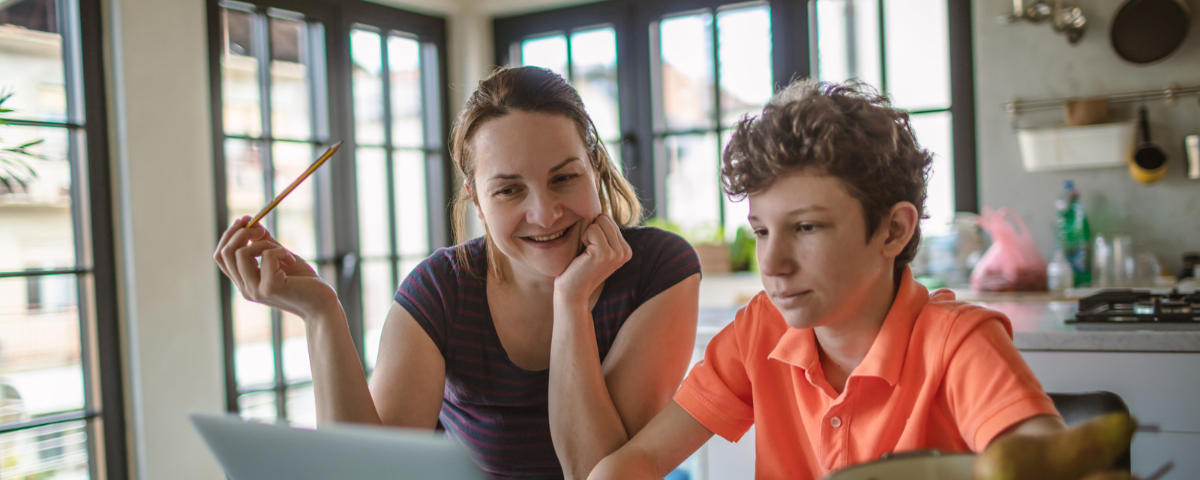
(717, 392)
(988, 385)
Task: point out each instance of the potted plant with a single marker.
(15, 170)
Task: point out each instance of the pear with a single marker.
(1072, 454)
(1110, 475)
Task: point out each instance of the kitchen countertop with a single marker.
(1037, 319)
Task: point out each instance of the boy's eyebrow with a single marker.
(514, 176)
(797, 211)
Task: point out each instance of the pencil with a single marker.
(311, 168)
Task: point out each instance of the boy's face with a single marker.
(817, 265)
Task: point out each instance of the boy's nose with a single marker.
(544, 209)
(774, 259)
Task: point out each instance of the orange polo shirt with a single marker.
(941, 374)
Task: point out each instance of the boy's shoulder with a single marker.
(951, 320)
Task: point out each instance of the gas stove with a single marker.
(1127, 309)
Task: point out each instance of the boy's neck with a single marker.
(845, 344)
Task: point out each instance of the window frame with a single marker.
(81, 25)
(793, 56)
(337, 199)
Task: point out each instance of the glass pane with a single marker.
(918, 54)
(412, 207)
(594, 64)
(254, 356)
(366, 50)
(243, 178)
(240, 90)
(848, 41)
(258, 406)
(32, 55)
(374, 238)
(934, 133)
(37, 231)
(295, 216)
(295, 349)
(50, 452)
(735, 212)
(687, 71)
(546, 52)
(40, 371)
(614, 152)
(290, 93)
(745, 53)
(404, 65)
(378, 292)
(302, 407)
(693, 193)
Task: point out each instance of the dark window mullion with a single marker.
(716, 59)
(883, 70)
(389, 155)
(570, 65)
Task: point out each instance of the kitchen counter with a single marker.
(1037, 319)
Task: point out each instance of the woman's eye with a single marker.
(504, 192)
(566, 177)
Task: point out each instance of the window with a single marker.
(60, 387)
(904, 51)
(290, 82)
(688, 70)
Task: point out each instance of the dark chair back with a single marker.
(1077, 408)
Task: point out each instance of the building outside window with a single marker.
(60, 388)
(293, 82)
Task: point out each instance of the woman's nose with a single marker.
(544, 209)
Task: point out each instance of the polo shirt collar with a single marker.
(798, 346)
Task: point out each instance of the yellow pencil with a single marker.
(311, 168)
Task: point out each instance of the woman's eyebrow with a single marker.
(515, 176)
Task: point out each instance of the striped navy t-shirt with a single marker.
(495, 408)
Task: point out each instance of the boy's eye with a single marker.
(806, 228)
(760, 233)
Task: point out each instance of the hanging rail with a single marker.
(1172, 92)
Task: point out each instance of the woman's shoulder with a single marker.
(455, 260)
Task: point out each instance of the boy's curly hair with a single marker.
(848, 131)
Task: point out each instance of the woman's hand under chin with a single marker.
(605, 250)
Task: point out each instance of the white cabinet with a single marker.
(1161, 389)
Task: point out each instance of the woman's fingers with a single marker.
(272, 273)
(218, 255)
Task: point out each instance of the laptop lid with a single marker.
(257, 451)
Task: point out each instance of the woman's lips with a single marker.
(552, 240)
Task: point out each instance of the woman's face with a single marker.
(536, 189)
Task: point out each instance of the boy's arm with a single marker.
(669, 439)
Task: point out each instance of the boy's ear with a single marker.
(898, 227)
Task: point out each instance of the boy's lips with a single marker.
(789, 298)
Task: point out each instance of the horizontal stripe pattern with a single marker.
(498, 410)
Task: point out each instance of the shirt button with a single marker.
(836, 422)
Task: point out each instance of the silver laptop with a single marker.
(259, 451)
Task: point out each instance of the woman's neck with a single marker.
(520, 281)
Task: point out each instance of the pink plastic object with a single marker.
(1013, 262)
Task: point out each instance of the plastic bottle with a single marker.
(1073, 233)
(1059, 274)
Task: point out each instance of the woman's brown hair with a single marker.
(848, 131)
(533, 90)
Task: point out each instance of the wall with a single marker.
(162, 159)
(1032, 62)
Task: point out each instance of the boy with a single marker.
(843, 357)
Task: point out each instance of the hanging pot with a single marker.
(1146, 31)
(1148, 163)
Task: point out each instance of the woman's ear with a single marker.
(899, 226)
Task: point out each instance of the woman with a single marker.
(543, 345)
